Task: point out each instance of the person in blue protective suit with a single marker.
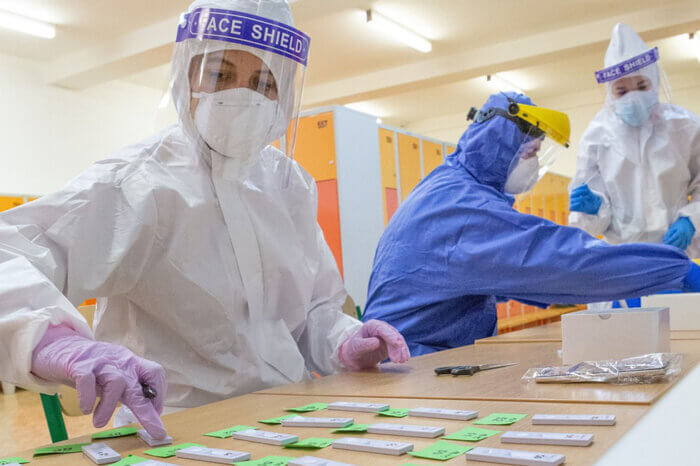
(456, 245)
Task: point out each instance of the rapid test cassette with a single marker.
(406, 430)
(360, 407)
(313, 461)
(100, 453)
(372, 446)
(441, 413)
(146, 437)
(547, 438)
(263, 436)
(212, 455)
(301, 421)
(526, 458)
(574, 419)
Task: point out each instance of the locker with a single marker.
(329, 218)
(8, 202)
(432, 156)
(409, 163)
(315, 146)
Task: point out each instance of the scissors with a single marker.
(470, 370)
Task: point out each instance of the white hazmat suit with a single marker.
(643, 174)
(212, 265)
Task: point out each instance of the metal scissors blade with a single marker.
(486, 367)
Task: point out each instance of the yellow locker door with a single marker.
(7, 202)
(387, 156)
(450, 149)
(432, 156)
(409, 163)
(315, 146)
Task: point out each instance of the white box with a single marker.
(684, 308)
(614, 334)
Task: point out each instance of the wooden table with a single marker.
(417, 379)
(551, 333)
(190, 425)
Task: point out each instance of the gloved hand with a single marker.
(101, 369)
(680, 234)
(584, 200)
(691, 284)
(372, 344)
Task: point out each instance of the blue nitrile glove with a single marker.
(691, 284)
(582, 199)
(680, 234)
(630, 303)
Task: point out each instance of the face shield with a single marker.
(546, 134)
(238, 75)
(633, 77)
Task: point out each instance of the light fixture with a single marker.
(500, 84)
(399, 32)
(695, 42)
(379, 121)
(27, 25)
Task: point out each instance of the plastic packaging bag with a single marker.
(649, 368)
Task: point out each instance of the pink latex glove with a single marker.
(101, 369)
(372, 344)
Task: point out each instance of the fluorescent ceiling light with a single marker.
(399, 32)
(27, 25)
(500, 84)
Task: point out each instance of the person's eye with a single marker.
(621, 92)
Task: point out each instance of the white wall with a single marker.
(49, 134)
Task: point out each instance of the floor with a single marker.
(23, 425)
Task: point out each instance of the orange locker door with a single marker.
(391, 203)
(387, 161)
(409, 163)
(432, 156)
(329, 218)
(7, 202)
(315, 146)
(450, 149)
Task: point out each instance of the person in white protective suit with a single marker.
(201, 244)
(638, 169)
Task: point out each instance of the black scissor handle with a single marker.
(446, 370)
(465, 370)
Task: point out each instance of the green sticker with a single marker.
(500, 419)
(394, 412)
(226, 433)
(167, 452)
(313, 443)
(352, 428)
(60, 449)
(131, 459)
(267, 461)
(471, 434)
(14, 459)
(441, 450)
(308, 408)
(277, 420)
(114, 433)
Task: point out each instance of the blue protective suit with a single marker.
(456, 244)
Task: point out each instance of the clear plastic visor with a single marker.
(533, 160)
(238, 80)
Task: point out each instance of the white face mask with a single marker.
(634, 108)
(238, 122)
(523, 177)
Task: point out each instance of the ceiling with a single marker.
(546, 47)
